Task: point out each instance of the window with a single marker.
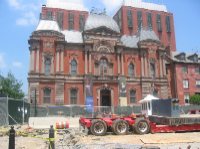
(185, 84)
(47, 95)
(186, 98)
(71, 21)
(159, 25)
(73, 96)
(129, 18)
(185, 69)
(73, 67)
(103, 66)
(152, 70)
(49, 15)
(198, 83)
(139, 20)
(149, 21)
(197, 69)
(47, 64)
(131, 70)
(60, 19)
(168, 27)
(155, 93)
(81, 22)
(132, 96)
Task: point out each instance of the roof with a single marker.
(145, 5)
(149, 97)
(131, 41)
(185, 57)
(73, 36)
(101, 20)
(48, 25)
(66, 4)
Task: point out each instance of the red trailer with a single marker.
(141, 123)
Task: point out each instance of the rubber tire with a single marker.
(136, 126)
(115, 125)
(92, 129)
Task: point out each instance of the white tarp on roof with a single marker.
(66, 4)
(149, 97)
(73, 36)
(48, 25)
(145, 5)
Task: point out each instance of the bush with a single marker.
(195, 99)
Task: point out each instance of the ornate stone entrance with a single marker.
(105, 96)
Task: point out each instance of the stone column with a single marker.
(30, 63)
(86, 63)
(122, 63)
(164, 67)
(90, 63)
(118, 64)
(146, 68)
(62, 61)
(52, 65)
(43, 63)
(37, 61)
(142, 65)
(161, 67)
(57, 61)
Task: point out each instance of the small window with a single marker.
(49, 15)
(139, 20)
(198, 83)
(185, 84)
(131, 70)
(185, 69)
(47, 65)
(103, 66)
(81, 22)
(155, 93)
(60, 19)
(197, 69)
(153, 70)
(159, 24)
(168, 27)
(132, 96)
(187, 98)
(47, 95)
(73, 67)
(71, 21)
(73, 96)
(149, 21)
(129, 18)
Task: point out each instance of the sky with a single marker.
(19, 18)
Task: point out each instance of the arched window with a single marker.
(47, 95)
(73, 67)
(131, 70)
(103, 65)
(132, 96)
(47, 66)
(152, 70)
(73, 96)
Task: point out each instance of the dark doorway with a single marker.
(105, 97)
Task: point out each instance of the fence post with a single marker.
(11, 138)
(51, 138)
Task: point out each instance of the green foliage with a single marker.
(11, 87)
(195, 99)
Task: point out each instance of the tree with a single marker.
(195, 99)
(11, 87)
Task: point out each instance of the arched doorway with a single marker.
(105, 96)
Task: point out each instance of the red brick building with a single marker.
(77, 56)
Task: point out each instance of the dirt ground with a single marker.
(72, 138)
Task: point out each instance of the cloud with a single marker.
(29, 11)
(17, 64)
(2, 61)
(112, 4)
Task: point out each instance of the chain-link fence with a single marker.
(3, 111)
(13, 111)
(83, 110)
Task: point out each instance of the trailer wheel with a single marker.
(141, 126)
(98, 127)
(120, 127)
